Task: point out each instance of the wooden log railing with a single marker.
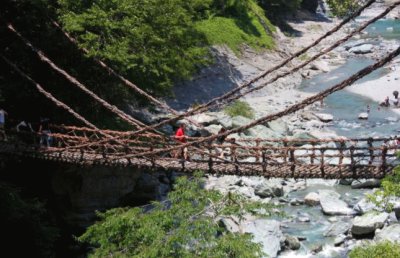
(326, 158)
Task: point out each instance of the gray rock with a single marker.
(345, 181)
(332, 205)
(268, 233)
(368, 223)
(337, 229)
(339, 240)
(229, 224)
(365, 183)
(262, 132)
(363, 116)
(324, 117)
(205, 119)
(390, 233)
(362, 49)
(265, 190)
(364, 206)
(354, 44)
(213, 129)
(239, 121)
(292, 243)
(311, 199)
(278, 126)
(304, 219)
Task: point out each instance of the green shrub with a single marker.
(240, 108)
(380, 250)
(183, 227)
(390, 188)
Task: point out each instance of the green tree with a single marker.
(152, 41)
(342, 8)
(184, 226)
(390, 188)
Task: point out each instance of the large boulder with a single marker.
(337, 229)
(239, 121)
(262, 132)
(368, 223)
(362, 49)
(332, 205)
(267, 233)
(364, 206)
(366, 183)
(390, 233)
(292, 243)
(311, 199)
(266, 190)
(363, 116)
(324, 117)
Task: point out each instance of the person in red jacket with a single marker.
(181, 137)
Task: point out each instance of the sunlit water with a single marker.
(346, 106)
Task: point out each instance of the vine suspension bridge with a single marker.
(147, 147)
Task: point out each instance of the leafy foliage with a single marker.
(25, 224)
(390, 188)
(152, 40)
(240, 108)
(342, 8)
(383, 249)
(185, 226)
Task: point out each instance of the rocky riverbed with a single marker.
(324, 218)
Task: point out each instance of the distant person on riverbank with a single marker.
(385, 103)
(44, 130)
(3, 115)
(368, 109)
(396, 98)
(181, 137)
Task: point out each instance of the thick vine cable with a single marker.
(119, 76)
(205, 107)
(48, 95)
(57, 102)
(313, 58)
(75, 82)
(301, 105)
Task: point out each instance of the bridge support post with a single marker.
(383, 164)
(322, 165)
(264, 163)
(352, 162)
(371, 151)
(210, 160)
(341, 156)
(257, 150)
(292, 161)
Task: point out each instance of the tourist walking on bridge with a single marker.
(44, 130)
(3, 115)
(181, 138)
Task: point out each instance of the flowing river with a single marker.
(345, 106)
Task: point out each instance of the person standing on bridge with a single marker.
(44, 130)
(181, 138)
(3, 115)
